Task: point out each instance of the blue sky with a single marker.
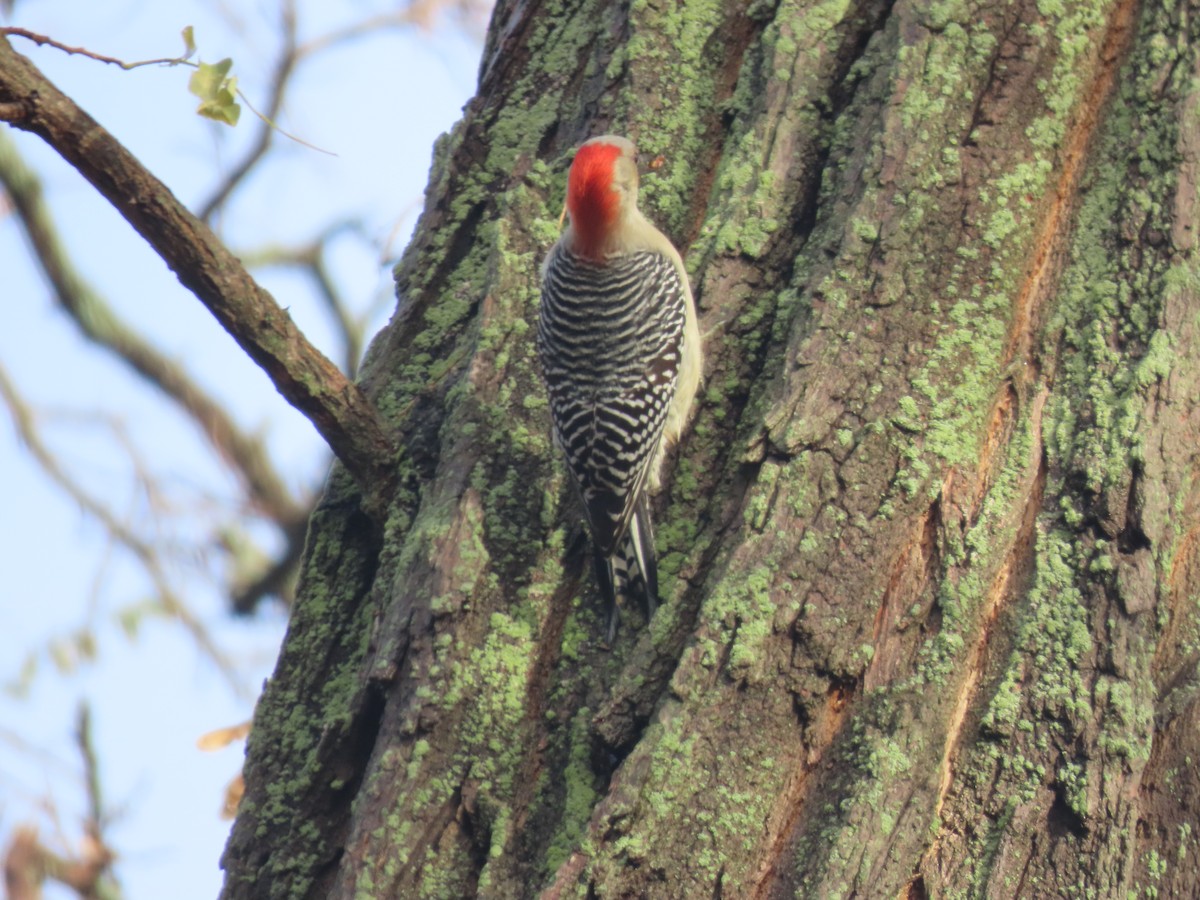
(378, 104)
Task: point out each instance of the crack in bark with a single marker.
(1056, 223)
(1054, 229)
(793, 799)
(912, 570)
(999, 595)
(1052, 234)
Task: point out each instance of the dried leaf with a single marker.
(222, 737)
(233, 797)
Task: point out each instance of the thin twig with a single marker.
(352, 331)
(279, 85)
(46, 41)
(418, 14)
(185, 60)
(311, 258)
(23, 421)
(91, 768)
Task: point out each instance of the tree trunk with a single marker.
(929, 554)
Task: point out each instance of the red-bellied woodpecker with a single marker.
(620, 351)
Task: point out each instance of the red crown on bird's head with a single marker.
(591, 200)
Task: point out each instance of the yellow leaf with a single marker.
(222, 737)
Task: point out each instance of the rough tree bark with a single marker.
(929, 554)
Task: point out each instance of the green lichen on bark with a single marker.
(851, 541)
(299, 725)
(1053, 727)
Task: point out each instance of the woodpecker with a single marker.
(619, 345)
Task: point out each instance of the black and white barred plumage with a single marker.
(610, 339)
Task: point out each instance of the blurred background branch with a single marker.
(29, 862)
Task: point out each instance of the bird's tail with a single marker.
(631, 572)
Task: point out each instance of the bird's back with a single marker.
(610, 340)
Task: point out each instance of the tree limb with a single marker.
(100, 324)
(338, 408)
(145, 553)
(311, 259)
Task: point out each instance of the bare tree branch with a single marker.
(266, 127)
(97, 320)
(277, 579)
(311, 259)
(29, 863)
(91, 768)
(351, 330)
(145, 553)
(338, 408)
(419, 13)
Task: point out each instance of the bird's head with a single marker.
(602, 193)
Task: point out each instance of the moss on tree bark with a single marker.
(928, 555)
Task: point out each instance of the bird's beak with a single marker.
(562, 218)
